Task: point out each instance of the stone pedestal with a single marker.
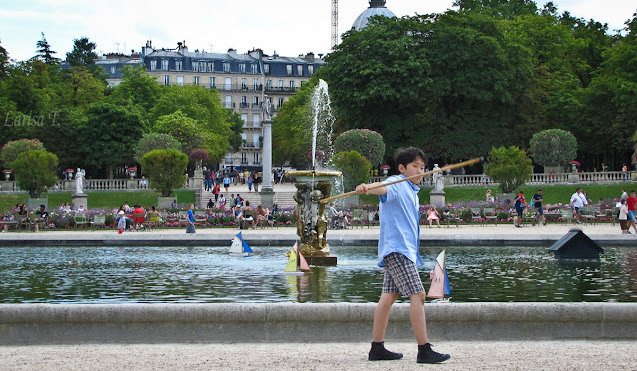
(80, 199)
(197, 179)
(437, 198)
(267, 197)
(132, 184)
(266, 186)
(447, 179)
(573, 178)
(7, 186)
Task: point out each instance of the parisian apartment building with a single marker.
(242, 80)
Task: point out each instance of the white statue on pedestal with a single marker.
(79, 181)
(267, 108)
(439, 183)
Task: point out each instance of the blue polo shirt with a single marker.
(399, 221)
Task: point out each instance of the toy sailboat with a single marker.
(296, 262)
(240, 246)
(440, 281)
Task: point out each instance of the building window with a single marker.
(280, 84)
(180, 80)
(255, 156)
(256, 120)
(292, 85)
(266, 68)
(166, 79)
(242, 68)
(255, 84)
(255, 140)
(213, 82)
(244, 118)
(244, 83)
(211, 67)
(244, 158)
(268, 84)
(228, 103)
(113, 70)
(228, 83)
(202, 66)
(153, 65)
(196, 80)
(289, 69)
(281, 100)
(244, 101)
(195, 67)
(178, 65)
(226, 67)
(255, 101)
(299, 69)
(310, 69)
(253, 68)
(164, 64)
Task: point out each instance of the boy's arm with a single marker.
(364, 189)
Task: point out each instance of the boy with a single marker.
(537, 201)
(520, 204)
(398, 255)
(190, 227)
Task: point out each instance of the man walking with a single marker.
(578, 200)
(537, 201)
(630, 202)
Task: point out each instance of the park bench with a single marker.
(81, 220)
(6, 223)
(99, 220)
(358, 216)
(590, 213)
(476, 215)
(567, 215)
(490, 214)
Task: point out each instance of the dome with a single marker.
(376, 7)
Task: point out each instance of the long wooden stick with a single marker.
(444, 168)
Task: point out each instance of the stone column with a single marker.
(267, 193)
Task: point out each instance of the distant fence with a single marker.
(607, 177)
(450, 180)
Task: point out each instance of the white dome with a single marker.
(376, 7)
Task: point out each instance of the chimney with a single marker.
(310, 56)
(232, 52)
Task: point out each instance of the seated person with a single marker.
(42, 215)
(336, 217)
(447, 212)
(139, 215)
(210, 204)
(432, 214)
(262, 214)
(248, 214)
(23, 214)
(153, 215)
(238, 214)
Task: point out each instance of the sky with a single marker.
(287, 27)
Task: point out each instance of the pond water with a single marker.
(114, 275)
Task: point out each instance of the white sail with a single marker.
(237, 245)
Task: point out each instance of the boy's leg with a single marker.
(381, 315)
(417, 316)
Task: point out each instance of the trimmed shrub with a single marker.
(12, 149)
(154, 141)
(165, 169)
(35, 171)
(364, 141)
(553, 147)
(354, 166)
(511, 167)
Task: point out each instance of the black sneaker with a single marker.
(427, 355)
(379, 353)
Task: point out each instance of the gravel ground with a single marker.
(487, 355)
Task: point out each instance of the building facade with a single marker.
(242, 80)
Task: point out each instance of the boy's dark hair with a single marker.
(409, 155)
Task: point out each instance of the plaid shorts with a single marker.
(401, 276)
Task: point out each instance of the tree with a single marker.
(45, 53)
(183, 128)
(511, 167)
(292, 128)
(4, 61)
(85, 88)
(354, 166)
(152, 141)
(204, 106)
(12, 149)
(137, 87)
(82, 54)
(366, 142)
(553, 147)
(35, 171)
(106, 135)
(506, 9)
(165, 169)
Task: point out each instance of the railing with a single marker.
(463, 180)
(106, 184)
(549, 178)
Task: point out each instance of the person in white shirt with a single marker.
(578, 200)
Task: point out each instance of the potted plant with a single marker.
(7, 174)
(385, 169)
(574, 165)
(198, 156)
(35, 173)
(69, 174)
(132, 171)
(165, 169)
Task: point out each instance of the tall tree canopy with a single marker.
(45, 53)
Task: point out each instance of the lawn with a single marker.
(110, 199)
